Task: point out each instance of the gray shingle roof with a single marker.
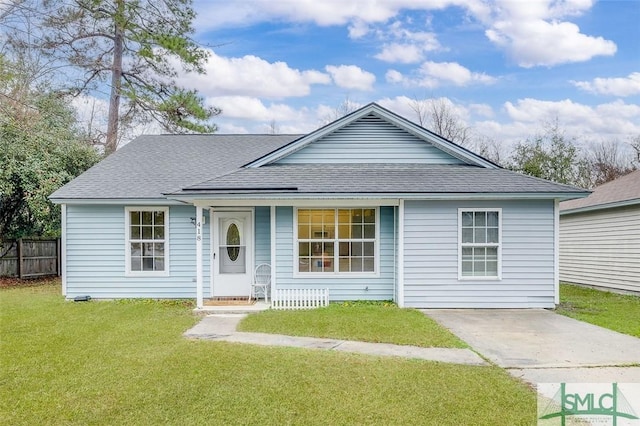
(149, 166)
(624, 189)
(375, 179)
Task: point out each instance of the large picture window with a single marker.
(337, 240)
(147, 240)
(480, 237)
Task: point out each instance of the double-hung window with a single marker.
(147, 240)
(337, 240)
(480, 235)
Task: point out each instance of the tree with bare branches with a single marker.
(346, 107)
(608, 162)
(438, 116)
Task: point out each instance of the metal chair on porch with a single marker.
(261, 281)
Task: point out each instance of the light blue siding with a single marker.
(370, 140)
(262, 235)
(341, 287)
(431, 257)
(96, 255)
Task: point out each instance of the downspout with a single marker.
(395, 253)
(556, 250)
(63, 249)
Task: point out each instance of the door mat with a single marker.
(229, 301)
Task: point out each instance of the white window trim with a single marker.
(479, 278)
(336, 273)
(127, 242)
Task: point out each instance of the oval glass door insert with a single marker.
(233, 242)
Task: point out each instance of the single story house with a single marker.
(370, 206)
(600, 236)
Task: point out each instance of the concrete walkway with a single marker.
(541, 346)
(222, 327)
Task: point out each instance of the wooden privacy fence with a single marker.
(30, 258)
(300, 298)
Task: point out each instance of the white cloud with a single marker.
(483, 110)
(394, 76)
(250, 108)
(324, 13)
(92, 115)
(242, 114)
(358, 29)
(615, 120)
(435, 74)
(403, 45)
(401, 105)
(451, 72)
(351, 77)
(525, 118)
(533, 34)
(92, 110)
(253, 76)
(225, 127)
(621, 86)
(403, 53)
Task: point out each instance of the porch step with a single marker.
(234, 309)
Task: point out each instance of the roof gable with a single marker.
(372, 134)
(369, 139)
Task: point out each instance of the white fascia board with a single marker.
(361, 199)
(119, 201)
(624, 203)
(315, 202)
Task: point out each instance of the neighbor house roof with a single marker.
(150, 166)
(383, 179)
(620, 192)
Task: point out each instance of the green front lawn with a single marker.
(361, 321)
(126, 362)
(610, 310)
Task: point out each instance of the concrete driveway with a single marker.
(542, 346)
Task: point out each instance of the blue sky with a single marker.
(506, 67)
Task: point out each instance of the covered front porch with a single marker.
(234, 236)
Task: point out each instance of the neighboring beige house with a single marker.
(600, 236)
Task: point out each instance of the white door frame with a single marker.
(214, 226)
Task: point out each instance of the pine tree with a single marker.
(135, 47)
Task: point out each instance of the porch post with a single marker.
(272, 217)
(199, 292)
(400, 300)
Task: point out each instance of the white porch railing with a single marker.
(300, 298)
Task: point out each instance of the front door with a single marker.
(232, 253)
